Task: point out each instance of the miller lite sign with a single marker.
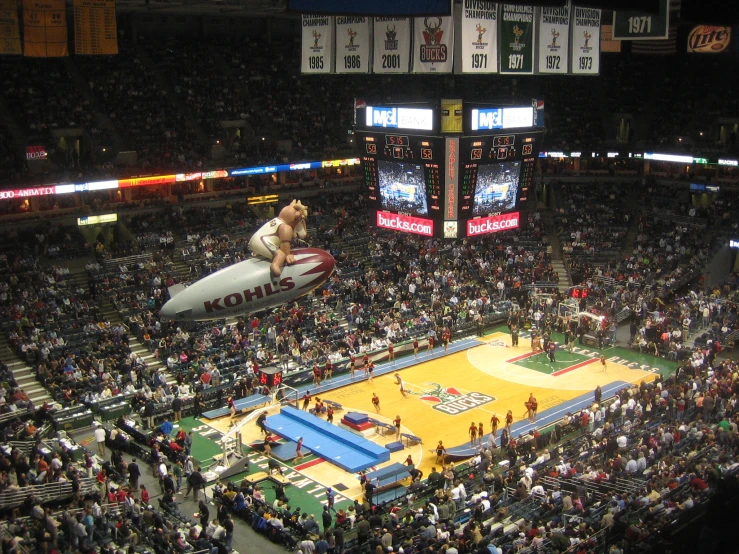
(434, 44)
(709, 39)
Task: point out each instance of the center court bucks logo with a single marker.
(391, 38)
(452, 402)
(433, 50)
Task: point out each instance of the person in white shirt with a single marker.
(100, 439)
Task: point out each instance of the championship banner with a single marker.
(10, 31)
(433, 44)
(554, 39)
(479, 37)
(516, 33)
(95, 31)
(352, 44)
(630, 25)
(391, 45)
(317, 44)
(585, 41)
(45, 28)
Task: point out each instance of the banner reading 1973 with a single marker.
(479, 36)
(516, 36)
(392, 45)
(554, 39)
(586, 41)
(352, 44)
(317, 44)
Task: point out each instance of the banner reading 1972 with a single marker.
(479, 36)
(586, 41)
(352, 44)
(516, 35)
(554, 39)
(392, 45)
(317, 44)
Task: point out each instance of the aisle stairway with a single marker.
(23, 373)
(550, 228)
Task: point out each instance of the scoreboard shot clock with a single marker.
(270, 376)
(449, 185)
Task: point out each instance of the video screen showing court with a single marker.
(402, 187)
(497, 188)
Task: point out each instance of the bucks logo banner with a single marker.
(392, 45)
(585, 41)
(317, 44)
(433, 44)
(479, 36)
(554, 39)
(516, 39)
(352, 44)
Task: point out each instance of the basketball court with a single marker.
(444, 395)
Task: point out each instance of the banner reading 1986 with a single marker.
(392, 45)
(586, 41)
(516, 35)
(317, 44)
(479, 36)
(352, 44)
(554, 39)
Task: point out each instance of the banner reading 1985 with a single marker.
(516, 35)
(392, 45)
(586, 41)
(352, 44)
(317, 44)
(554, 39)
(479, 36)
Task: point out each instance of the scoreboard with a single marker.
(403, 178)
(448, 185)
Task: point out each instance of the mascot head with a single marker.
(294, 213)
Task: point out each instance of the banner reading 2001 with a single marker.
(479, 37)
(317, 44)
(586, 41)
(433, 44)
(352, 44)
(517, 32)
(554, 39)
(392, 45)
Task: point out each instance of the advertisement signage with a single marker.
(709, 39)
(96, 219)
(405, 223)
(36, 153)
(489, 119)
(420, 119)
(26, 193)
(492, 224)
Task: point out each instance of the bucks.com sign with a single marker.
(400, 118)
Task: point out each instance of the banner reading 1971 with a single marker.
(479, 36)
(392, 45)
(516, 35)
(317, 44)
(352, 44)
(554, 39)
(586, 41)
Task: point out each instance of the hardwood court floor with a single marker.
(447, 394)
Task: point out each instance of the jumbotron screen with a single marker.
(403, 176)
(496, 176)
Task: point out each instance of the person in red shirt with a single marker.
(446, 336)
(494, 421)
(328, 369)
(376, 402)
(316, 375)
(144, 495)
(415, 348)
(390, 352)
(352, 364)
(306, 400)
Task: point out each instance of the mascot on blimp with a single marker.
(272, 240)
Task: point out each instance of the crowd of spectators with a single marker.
(593, 219)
